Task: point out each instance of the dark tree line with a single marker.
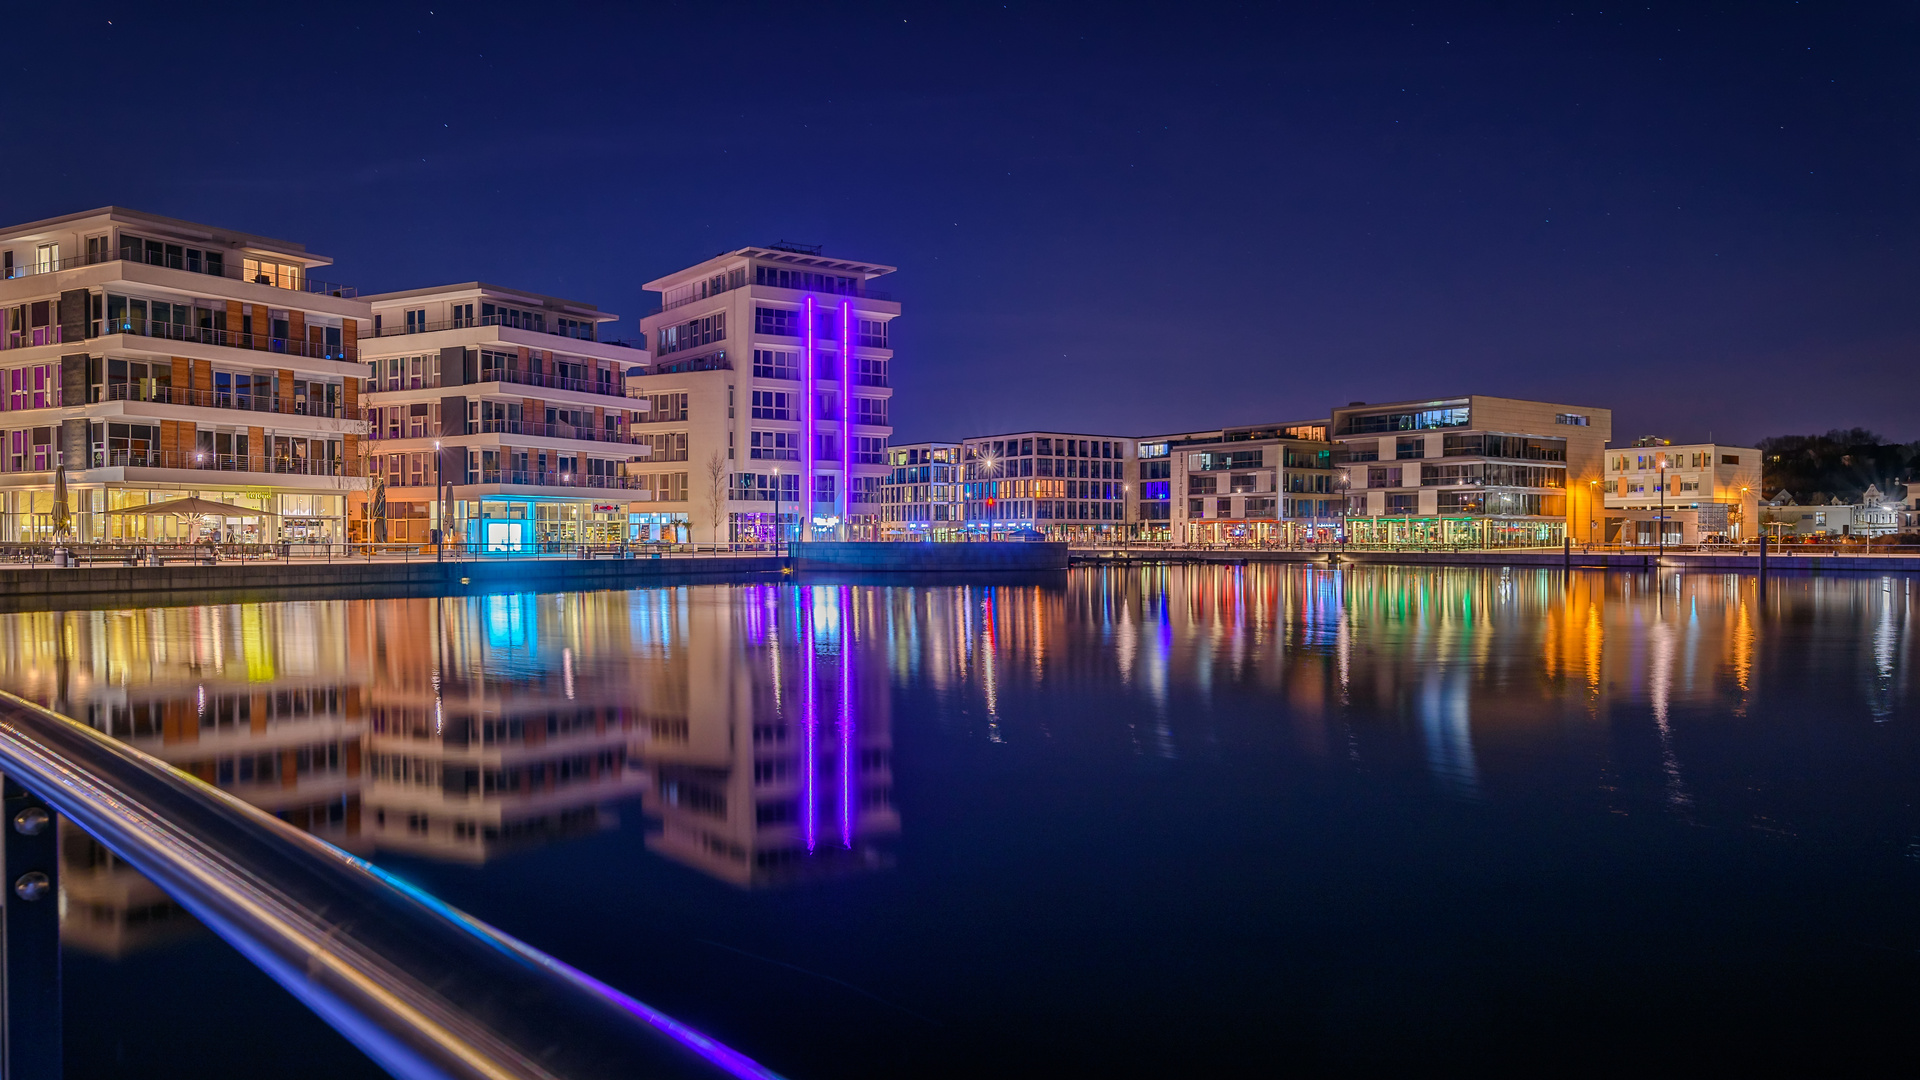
(1841, 462)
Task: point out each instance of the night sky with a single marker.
(1107, 218)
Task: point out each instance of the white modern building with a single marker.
(156, 360)
(1701, 491)
(502, 410)
(789, 349)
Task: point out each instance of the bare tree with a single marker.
(716, 490)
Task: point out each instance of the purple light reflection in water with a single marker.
(809, 723)
(847, 764)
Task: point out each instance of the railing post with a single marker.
(30, 1038)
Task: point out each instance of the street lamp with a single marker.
(1341, 485)
(1662, 523)
(992, 466)
(1593, 505)
(439, 495)
(779, 530)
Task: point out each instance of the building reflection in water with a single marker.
(780, 765)
(463, 728)
(753, 726)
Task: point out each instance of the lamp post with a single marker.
(1593, 511)
(1661, 523)
(439, 534)
(1341, 485)
(779, 530)
(992, 466)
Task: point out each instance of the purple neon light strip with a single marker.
(733, 1061)
(808, 392)
(846, 414)
(847, 764)
(809, 723)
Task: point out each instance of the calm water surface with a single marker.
(1154, 822)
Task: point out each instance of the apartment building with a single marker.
(773, 362)
(513, 401)
(1065, 486)
(921, 497)
(1471, 470)
(1703, 492)
(155, 359)
(1266, 484)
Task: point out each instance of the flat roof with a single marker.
(1222, 432)
(1047, 431)
(185, 228)
(1370, 406)
(559, 303)
(824, 263)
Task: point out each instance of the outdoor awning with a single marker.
(192, 507)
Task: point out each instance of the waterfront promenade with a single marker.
(184, 575)
(1789, 559)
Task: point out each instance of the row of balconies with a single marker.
(545, 478)
(206, 461)
(609, 387)
(524, 427)
(216, 398)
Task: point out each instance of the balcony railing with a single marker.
(536, 478)
(405, 329)
(232, 339)
(228, 399)
(554, 431)
(522, 377)
(236, 272)
(516, 376)
(207, 461)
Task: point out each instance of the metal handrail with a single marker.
(427, 991)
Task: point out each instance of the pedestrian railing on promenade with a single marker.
(164, 552)
(427, 991)
(1774, 549)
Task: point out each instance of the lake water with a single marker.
(1147, 822)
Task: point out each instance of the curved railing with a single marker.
(424, 989)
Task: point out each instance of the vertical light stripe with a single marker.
(846, 415)
(807, 394)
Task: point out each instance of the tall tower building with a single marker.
(796, 345)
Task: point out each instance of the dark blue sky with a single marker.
(1107, 218)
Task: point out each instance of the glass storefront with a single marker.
(1457, 531)
(658, 528)
(762, 529)
(260, 516)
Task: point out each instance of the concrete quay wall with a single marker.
(922, 558)
(1548, 559)
(51, 584)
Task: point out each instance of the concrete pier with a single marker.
(40, 588)
(920, 558)
(1548, 558)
